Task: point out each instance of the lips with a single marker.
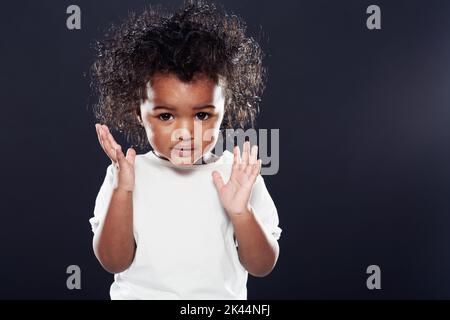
(184, 148)
(181, 152)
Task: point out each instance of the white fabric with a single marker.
(185, 240)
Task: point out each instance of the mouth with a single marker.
(184, 151)
(184, 148)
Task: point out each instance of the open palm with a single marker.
(123, 163)
(235, 194)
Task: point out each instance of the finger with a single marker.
(101, 139)
(239, 154)
(111, 143)
(111, 139)
(253, 155)
(109, 150)
(252, 160)
(245, 153)
(236, 158)
(97, 129)
(120, 156)
(131, 155)
(218, 181)
(236, 162)
(249, 169)
(98, 134)
(256, 168)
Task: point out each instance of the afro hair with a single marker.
(197, 38)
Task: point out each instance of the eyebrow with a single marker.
(205, 107)
(195, 108)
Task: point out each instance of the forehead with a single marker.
(168, 89)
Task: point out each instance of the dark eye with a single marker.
(165, 116)
(202, 115)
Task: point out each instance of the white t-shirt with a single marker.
(185, 240)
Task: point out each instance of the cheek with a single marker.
(158, 135)
(210, 133)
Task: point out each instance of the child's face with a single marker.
(182, 120)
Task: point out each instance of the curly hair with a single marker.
(197, 38)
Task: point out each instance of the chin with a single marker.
(182, 162)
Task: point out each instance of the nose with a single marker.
(184, 131)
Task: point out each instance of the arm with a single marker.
(258, 250)
(113, 243)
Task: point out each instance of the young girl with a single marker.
(179, 222)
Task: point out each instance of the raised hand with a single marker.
(124, 164)
(235, 194)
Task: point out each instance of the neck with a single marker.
(203, 160)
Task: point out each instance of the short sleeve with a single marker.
(103, 198)
(264, 208)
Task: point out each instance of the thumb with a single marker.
(131, 155)
(218, 181)
(119, 155)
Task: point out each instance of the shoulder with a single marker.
(228, 156)
(141, 157)
(144, 160)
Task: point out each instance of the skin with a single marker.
(184, 114)
(178, 114)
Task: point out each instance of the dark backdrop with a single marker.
(364, 167)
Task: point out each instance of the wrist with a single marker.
(120, 181)
(243, 216)
(123, 189)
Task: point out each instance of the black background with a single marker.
(364, 146)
